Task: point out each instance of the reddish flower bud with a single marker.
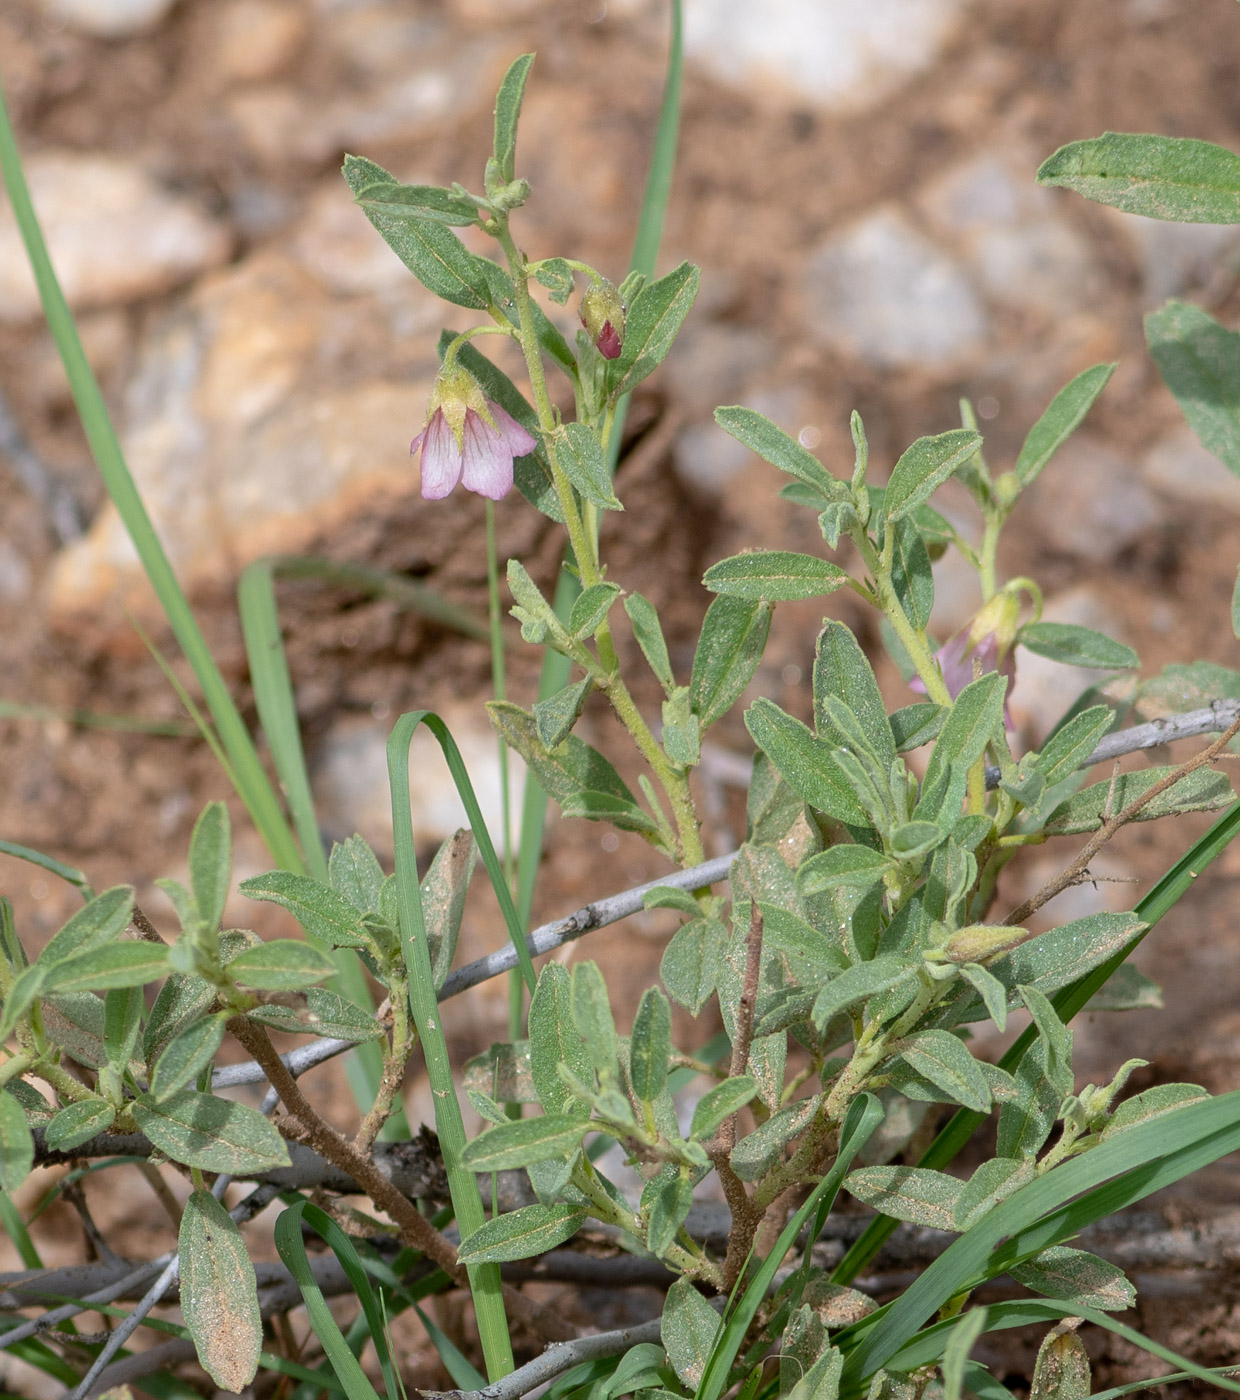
(602, 314)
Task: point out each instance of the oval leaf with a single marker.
(1076, 646)
(219, 1294)
(521, 1234)
(924, 468)
(216, 1135)
(284, 964)
(523, 1141)
(326, 916)
(774, 576)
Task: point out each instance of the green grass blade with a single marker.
(663, 155)
(863, 1117)
(14, 1226)
(484, 1279)
(1159, 900)
(1051, 1209)
(293, 1252)
(93, 719)
(53, 866)
(252, 783)
(456, 1363)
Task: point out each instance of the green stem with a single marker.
(14, 1068)
(454, 346)
(912, 639)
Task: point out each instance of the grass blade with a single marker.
(251, 780)
(484, 1279)
(53, 866)
(456, 1363)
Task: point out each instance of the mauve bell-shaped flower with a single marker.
(985, 644)
(468, 438)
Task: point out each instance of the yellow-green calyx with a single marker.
(456, 391)
(979, 943)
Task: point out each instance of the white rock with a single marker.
(350, 780)
(114, 235)
(882, 291)
(1045, 689)
(1175, 257)
(1178, 466)
(840, 55)
(1090, 500)
(109, 19)
(1024, 254)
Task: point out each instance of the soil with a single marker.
(755, 175)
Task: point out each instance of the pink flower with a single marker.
(468, 438)
(956, 657)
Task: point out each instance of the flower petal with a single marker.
(441, 459)
(516, 439)
(486, 459)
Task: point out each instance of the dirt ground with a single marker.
(760, 179)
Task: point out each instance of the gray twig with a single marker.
(557, 1359)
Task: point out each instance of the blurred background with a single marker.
(857, 182)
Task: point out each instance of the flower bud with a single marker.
(602, 314)
(978, 943)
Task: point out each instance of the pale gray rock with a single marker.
(108, 19)
(254, 39)
(708, 458)
(1021, 250)
(1176, 257)
(1090, 501)
(836, 54)
(114, 235)
(1179, 467)
(881, 290)
(350, 779)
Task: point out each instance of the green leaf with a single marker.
(670, 1204)
(651, 326)
(992, 992)
(1199, 361)
(807, 764)
(214, 1134)
(591, 1012)
(842, 669)
(1066, 749)
(116, 965)
(590, 608)
(1153, 1103)
(1203, 790)
(555, 716)
(974, 717)
(690, 963)
(181, 1001)
(690, 1326)
(650, 1046)
(1054, 959)
(219, 1293)
(77, 1123)
(507, 110)
(428, 248)
(503, 1072)
(774, 445)
(729, 648)
(102, 920)
(943, 1059)
(122, 1024)
(355, 874)
(523, 1141)
(915, 1194)
(419, 202)
(910, 572)
(858, 983)
(1061, 419)
(320, 1013)
(556, 275)
(682, 730)
(911, 840)
(1061, 1371)
(1077, 1277)
(774, 576)
(16, 1144)
(573, 774)
(521, 1234)
(717, 1105)
(924, 467)
(284, 964)
(210, 863)
(443, 899)
(915, 725)
(1162, 177)
(580, 455)
(992, 1182)
(645, 619)
(1076, 646)
(1235, 606)
(326, 916)
(843, 866)
(554, 1041)
(1026, 1123)
(186, 1055)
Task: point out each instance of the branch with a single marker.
(555, 1361)
(1074, 873)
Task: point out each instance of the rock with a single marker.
(882, 291)
(245, 436)
(14, 574)
(254, 39)
(1043, 689)
(1022, 252)
(1178, 466)
(114, 234)
(714, 362)
(350, 780)
(707, 458)
(835, 54)
(109, 19)
(1175, 257)
(1090, 501)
